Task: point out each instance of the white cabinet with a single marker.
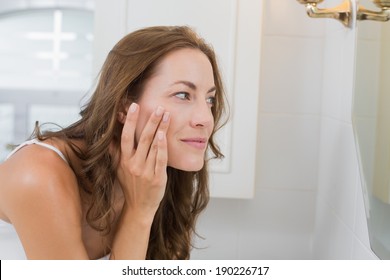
(233, 27)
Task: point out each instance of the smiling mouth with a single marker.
(198, 143)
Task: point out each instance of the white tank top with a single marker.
(37, 142)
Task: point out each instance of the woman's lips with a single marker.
(198, 142)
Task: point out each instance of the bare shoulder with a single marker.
(37, 170)
(39, 195)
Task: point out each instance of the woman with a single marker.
(129, 179)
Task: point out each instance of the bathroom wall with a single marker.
(279, 222)
(308, 202)
(340, 223)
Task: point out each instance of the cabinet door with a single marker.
(233, 27)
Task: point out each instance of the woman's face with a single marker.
(183, 84)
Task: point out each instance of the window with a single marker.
(45, 70)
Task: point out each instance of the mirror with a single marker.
(371, 122)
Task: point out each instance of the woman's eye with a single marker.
(211, 100)
(183, 95)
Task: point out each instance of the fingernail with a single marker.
(133, 107)
(166, 117)
(159, 111)
(160, 135)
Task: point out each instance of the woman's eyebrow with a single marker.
(192, 86)
(212, 89)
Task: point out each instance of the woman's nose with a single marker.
(202, 116)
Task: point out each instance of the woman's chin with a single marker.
(187, 166)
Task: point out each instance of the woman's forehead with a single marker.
(190, 65)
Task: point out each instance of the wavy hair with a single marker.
(127, 68)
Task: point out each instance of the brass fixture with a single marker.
(342, 12)
(383, 15)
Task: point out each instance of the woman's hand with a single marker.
(142, 169)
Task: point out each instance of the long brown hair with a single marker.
(127, 68)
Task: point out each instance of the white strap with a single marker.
(36, 141)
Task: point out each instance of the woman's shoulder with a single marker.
(36, 163)
(40, 197)
(36, 174)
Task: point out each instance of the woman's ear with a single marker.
(121, 116)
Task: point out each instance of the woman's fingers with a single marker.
(147, 136)
(128, 132)
(158, 151)
(162, 155)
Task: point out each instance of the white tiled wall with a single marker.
(340, 223)
(308, 201)
(278, 223)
